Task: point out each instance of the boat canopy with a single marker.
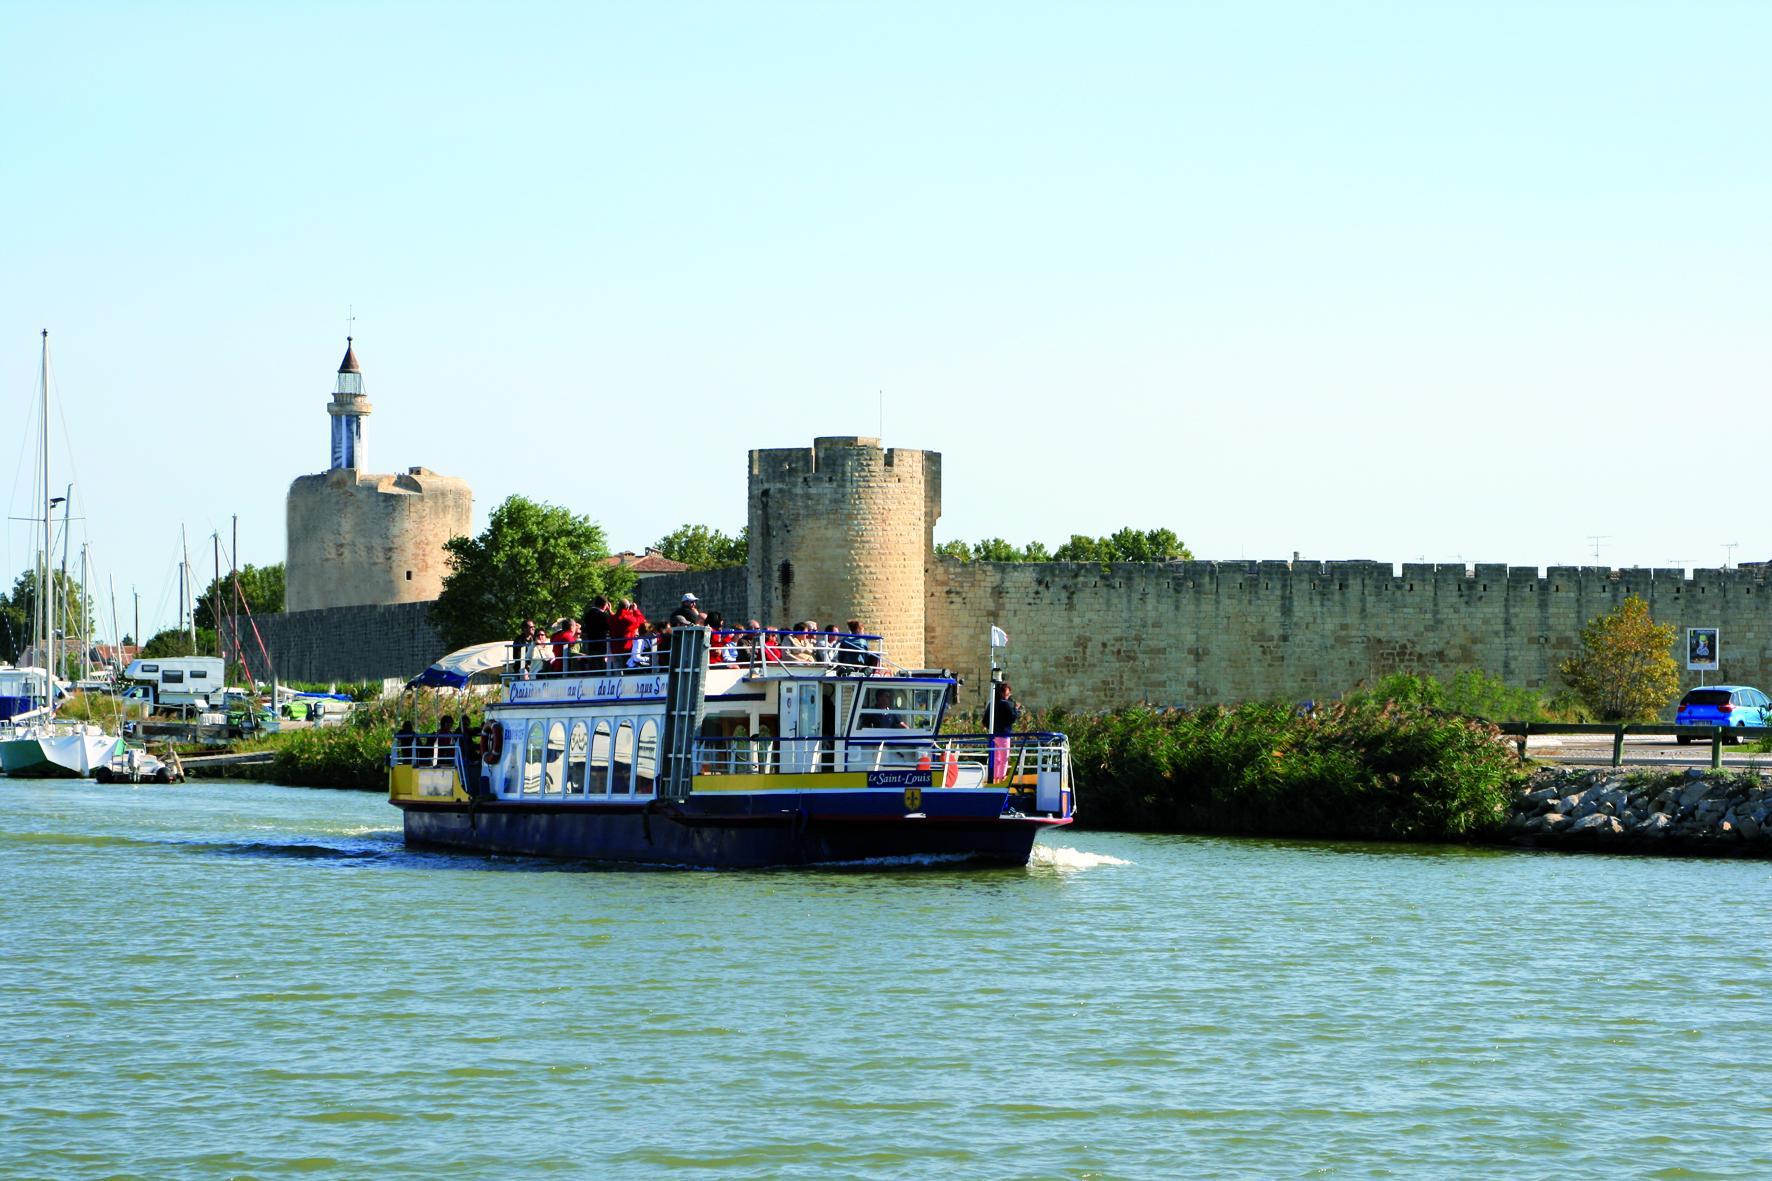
(459, 667)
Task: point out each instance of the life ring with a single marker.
(492, 742)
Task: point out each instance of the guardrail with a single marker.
(1717, 736)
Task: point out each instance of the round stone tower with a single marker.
(844, 530)
(356, 538)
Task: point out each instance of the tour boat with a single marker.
(731, 754)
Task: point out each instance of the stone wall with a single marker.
(355, 538)
(1195, 632)
(351, 643)
(844, 529)
(724, 591)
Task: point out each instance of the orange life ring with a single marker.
(492, 742)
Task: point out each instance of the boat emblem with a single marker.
(913, 798)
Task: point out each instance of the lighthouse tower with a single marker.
(360, 539)
(348, 408)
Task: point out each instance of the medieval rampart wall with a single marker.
(350, 643)
(1195, 632)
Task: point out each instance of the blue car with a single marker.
(1723, 705)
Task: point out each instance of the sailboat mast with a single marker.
(68, 624)
(46, 595)
(188, 600)
(85, 640)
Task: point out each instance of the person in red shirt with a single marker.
(624, 625)
(564, 637)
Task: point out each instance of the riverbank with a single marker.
(1687, 813)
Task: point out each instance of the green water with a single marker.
(245, 981)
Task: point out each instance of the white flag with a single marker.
(999, 637)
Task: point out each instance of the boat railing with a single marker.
(425, 750)
(974, 758)
(766, 652)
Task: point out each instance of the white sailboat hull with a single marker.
(57, 755)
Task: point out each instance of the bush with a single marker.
(1472, 693)
(355, 754)
(1360, 769)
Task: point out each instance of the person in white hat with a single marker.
(687, 613)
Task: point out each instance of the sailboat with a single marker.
(35, 742)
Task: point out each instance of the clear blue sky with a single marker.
(1386, 280)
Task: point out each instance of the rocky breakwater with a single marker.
(1714, 813)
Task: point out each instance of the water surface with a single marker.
(223, 980)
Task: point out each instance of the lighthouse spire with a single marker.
(347, 409)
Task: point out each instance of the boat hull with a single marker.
(59, 756)
(664, 834)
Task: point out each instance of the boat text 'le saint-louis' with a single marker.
(743, 754)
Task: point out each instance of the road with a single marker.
(1649, 750)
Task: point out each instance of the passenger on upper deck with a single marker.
(687, 613)
(624, 625)
(801, 647)
(520, 647)
(830, 644)
(564, 637)
(595, 633)
(855, 654)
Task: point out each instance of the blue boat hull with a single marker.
(685, 835)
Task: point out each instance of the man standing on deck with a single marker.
(1000, 718)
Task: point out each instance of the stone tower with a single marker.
(357, 539)
(844, 530)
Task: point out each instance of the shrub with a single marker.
(1359, 769)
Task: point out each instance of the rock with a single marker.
(1569, 803)
(1657, 825)
(1548, 822)
(1536, 799)
(1694, 793)
(1597, 823)
(1748, 828)
(1725, 829)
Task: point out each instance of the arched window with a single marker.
(532, 761)
(646, 764)
(621, 781)
(556, 778)
(576, 751)
(598, 783)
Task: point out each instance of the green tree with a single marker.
(176, 641)
(1079, 549)
(18, 612)
(995, 549)
(956, 549)
(534, 561)
(1036, 551)
(261, 586)
(702, 548)
(1625, 671)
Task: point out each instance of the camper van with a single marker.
(174, 680)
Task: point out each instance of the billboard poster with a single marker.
(1703, 649)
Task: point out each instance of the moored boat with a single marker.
(728, 756)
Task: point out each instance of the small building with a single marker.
(650, 564)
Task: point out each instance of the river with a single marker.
(226, 980)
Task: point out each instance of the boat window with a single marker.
(575, 758)
(598, 782)
(898, 707)
(556, 774)
(621, 779)
(532, 761)
(646, 765)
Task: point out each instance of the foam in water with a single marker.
(1063, 858)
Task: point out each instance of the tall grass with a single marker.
(355, 754)
(1361, 769)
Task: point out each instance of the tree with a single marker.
(18, 612)
(1625, 671)
(261, 586)
(995, 549)
(702, 548)
(534, 561)
(955, 549)
(176, 641)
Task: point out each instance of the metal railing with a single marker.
(974, 759)
(425, 750)
(1717, 736)
(764, 651)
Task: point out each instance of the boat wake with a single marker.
(1068, 860)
